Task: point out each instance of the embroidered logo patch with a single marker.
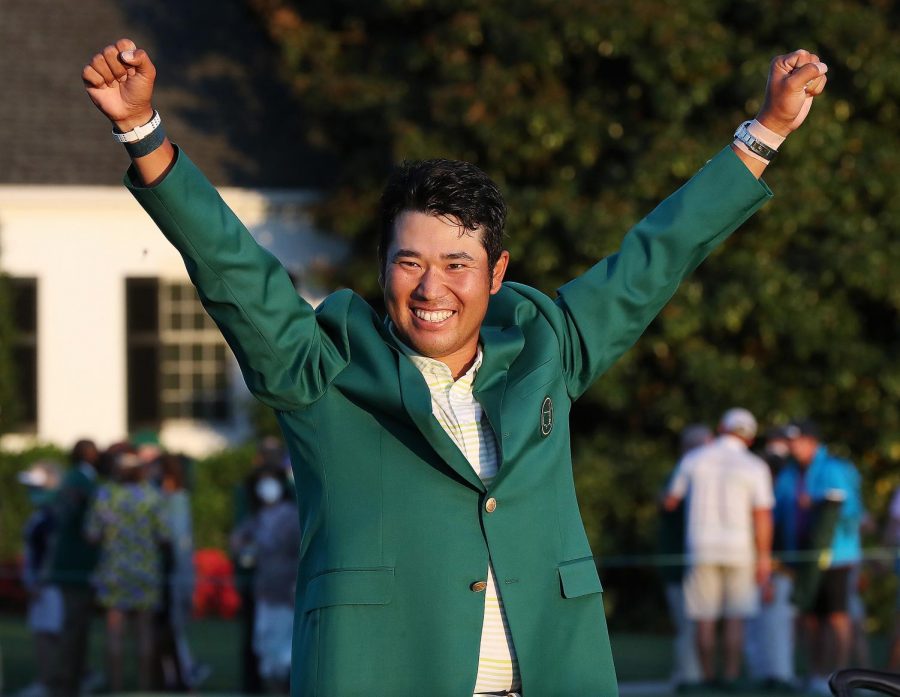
(546, 417)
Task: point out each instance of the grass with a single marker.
(213, 641)
(639, 658)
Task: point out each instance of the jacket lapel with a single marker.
(417, 402)
(500, 346)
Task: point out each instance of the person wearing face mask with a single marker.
(45, 604)
(271, 536)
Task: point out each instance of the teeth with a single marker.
(433, 316)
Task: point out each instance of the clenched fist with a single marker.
(119, 80)
(794, 80)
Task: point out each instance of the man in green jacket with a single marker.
(71, 563)
(443, 551)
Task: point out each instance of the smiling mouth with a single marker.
(433, 315)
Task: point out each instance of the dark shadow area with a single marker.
(219, 92)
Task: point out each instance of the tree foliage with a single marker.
(589, 113)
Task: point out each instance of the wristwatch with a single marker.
(756, 146)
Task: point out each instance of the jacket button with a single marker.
(490, 505)
(478, 586)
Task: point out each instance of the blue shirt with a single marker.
(826, 473)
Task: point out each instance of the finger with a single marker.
(795, 58)
(98, 63)
(92, 78)
(111, 54)
(798, 79)
(140, 61)
(127, 45)
(785, 64)
(816, 87)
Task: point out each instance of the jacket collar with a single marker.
(500, 347)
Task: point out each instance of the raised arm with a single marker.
(287, 356)
(607, 309)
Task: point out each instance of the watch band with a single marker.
(754, 144)
(138, 132)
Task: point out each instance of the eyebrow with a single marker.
(465, 256)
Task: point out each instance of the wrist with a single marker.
(757, 141)
(781, 128)
(131, 122)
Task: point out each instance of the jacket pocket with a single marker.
(579, 577)
(350, 587)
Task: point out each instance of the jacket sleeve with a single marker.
(608, 308)
(286, 357)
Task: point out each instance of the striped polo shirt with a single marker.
(462, 418)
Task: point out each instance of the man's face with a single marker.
(437, 285)
(803, 449)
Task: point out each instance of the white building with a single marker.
(112, 338)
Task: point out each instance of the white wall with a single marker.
(81, 243)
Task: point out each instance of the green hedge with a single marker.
(215, 479)
(14, 505)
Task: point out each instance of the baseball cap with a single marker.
(803, 427)
(738, 421)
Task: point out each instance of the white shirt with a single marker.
(460, 415)
(724, 483)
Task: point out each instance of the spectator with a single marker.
(272, 537)
(821, 511)
(128, 521)
(269, 452)
(686, 667)
(179, 671)
(45, 611)
(729, 537)
(769, 637)
(70, 565)
(892, 540)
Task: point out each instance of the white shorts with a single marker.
(713, 591)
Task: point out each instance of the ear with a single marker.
(499, 271)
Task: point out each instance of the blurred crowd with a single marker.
(764, 558)
(111, 534)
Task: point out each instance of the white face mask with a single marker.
(268, 489)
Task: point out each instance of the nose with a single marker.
(431, 285)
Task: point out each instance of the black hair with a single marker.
(452, 188)
(84, 450)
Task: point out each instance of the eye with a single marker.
(407, 264)
(456, 267)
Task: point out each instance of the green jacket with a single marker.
(72, 558)
(395, 530)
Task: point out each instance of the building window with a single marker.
(24, 351)
(178, 360)
(142, 359)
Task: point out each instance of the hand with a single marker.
(794, 80)
(768, 592)
(763, 570)
(119, 80)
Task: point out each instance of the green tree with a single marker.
(587, 114)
